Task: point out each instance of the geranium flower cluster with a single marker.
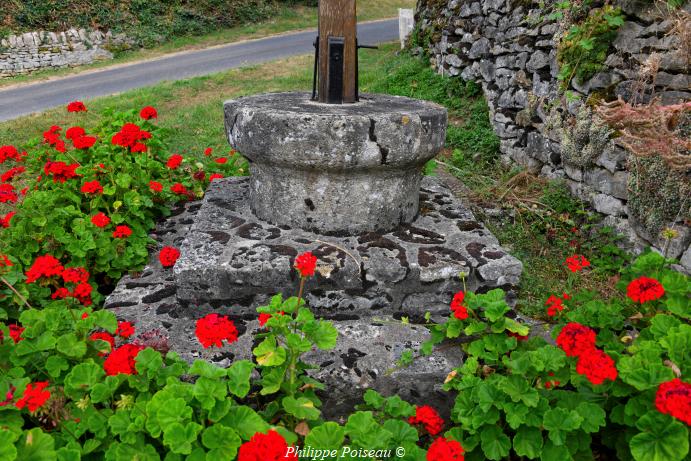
(577, 263)
(15, 333)
(53, 138)
(460, 311)
(265, 447)
(48, 266)
(213, 329)
(131, 137)
(35, 396)
(674, 398)
(580, 341)
(122, 360)
(555, 304)
(443, 449)
(10, 153)
(79, 138)
(306, 263)
(428, 418)
(10, 174)
(60, 171)
(168, 256)
(644, 289)
(7, 193)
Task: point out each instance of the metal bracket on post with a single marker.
(334, 79)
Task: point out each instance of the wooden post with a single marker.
(337, 51)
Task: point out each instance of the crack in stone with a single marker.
(373, 137)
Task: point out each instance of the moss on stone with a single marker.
(585, 139)
(657, 193)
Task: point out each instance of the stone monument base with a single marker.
(232, 263)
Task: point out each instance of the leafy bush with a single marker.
(582, 52)
(147, 21)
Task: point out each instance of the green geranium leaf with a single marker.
(208, 391)
(268, 355)
(495, 444)
(36, 446)
(374, 399)
(149, 362)
(207, 370)
(528, 442)
(593, 416)
(644, 370)
(223, 440)
(180, 438)
(552, 452)
(401, 432)
(559, 422)
(665, 442)
(239, 375)
(328, 436)
(173, 411)
(7, 450)
(82, 378)
(322, 333)
(245, 421)
(105, 319)
(301, 408)
(365, 432)
(398, 408)
(55, 365)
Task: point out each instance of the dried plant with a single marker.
(650, 130)
(682, 30)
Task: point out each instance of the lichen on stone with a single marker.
(584, 139)
(658, 195)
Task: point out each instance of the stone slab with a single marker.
(231, 258)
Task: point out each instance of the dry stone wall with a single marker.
(31, 51)
(509, 46)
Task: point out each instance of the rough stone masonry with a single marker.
(509, 47)
(238, 248)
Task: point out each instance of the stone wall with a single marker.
(509, 46)
(25, 53)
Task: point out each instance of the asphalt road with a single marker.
(36, 97)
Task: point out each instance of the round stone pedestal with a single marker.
(335, 169)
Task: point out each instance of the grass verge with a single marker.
(537, 220)
(286, 19)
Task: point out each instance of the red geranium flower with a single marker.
(125, 329)
(596, 365)
(306, 263)
(83, 292)
(92, 187)
(5, 220)
(644, 289)
(213, 329)
(148, 112)
(168, 256)
(575, 339)
(7, 193)
(122, 360)
(76, 106)
(107, 337)
(60, 171)
(208, 151)
(577, 263)
(457, 307)
(263, 318)
(44, 266)
(265, 447)
(221, 160)
(35, 396)
(429, 418)
(139, 147)
(100, 220)
(75, 132)
(5, 261)
(61, 293)
(75, 275)
(555, 304)
(84, 142)
(11, 173)
(9, 153)
(16, 332)
(174, 161)
(674, 398)
(178, 189)
(122, 232)
(443, 449)
(155, 186)
(215, 176)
